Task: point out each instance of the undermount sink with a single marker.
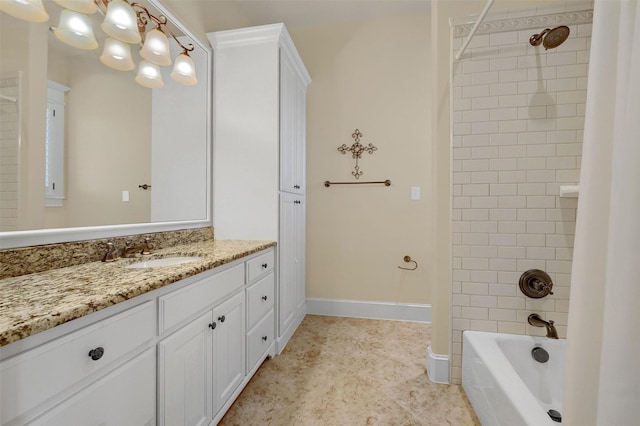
(165, 261)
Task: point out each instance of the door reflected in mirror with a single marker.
(130, 154)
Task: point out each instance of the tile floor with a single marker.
(350, 371)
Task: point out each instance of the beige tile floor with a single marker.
(350, 371)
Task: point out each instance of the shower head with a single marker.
(550, 38)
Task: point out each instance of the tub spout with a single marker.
(536, 321)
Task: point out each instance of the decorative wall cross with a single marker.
(356, 151)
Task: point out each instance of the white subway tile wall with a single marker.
(9, 150)
(517, 136)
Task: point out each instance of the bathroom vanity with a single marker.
(110, 344)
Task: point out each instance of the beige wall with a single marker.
(105, 158)
(374, 76)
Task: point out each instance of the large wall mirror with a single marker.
(127, 158)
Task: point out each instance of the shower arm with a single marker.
(474, 29)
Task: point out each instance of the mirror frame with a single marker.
(16, 239)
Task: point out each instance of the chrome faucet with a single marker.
(111, 255)
(536, 321)
(144, 248)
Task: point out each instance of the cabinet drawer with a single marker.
(181, 304)
(260, 299)
(259, 266)
(130, 391)
(259, 339)
(34, 377)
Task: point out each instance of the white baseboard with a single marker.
(437, 367)
(373, 310)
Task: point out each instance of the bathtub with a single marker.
(506, 385)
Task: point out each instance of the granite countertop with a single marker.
(33, 303)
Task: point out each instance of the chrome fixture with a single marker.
(125, 23)
(536, 321)
(535, 283)
(540, 354)
(111, 254)
(144, 248)
(550, 38)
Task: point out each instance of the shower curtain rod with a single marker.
(474, 29)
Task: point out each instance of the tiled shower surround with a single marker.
(518, 119)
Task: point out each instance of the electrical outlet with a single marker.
(415, 193)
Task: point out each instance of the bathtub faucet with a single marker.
(536, 321)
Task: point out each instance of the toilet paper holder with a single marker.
(409, 260)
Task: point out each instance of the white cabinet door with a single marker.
(185, 386)
(291, 247)
(292, 128)
(299, 253)
(229, 348)
(124, 397)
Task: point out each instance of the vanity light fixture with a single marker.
(27, 10)
(120, 21)
(149, 75)
(75, 30)
(184, 70)
(156, 48)
(117, 55)
(124, 23)
(87, 7)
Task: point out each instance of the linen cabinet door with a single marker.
(287, 270)
(185, 387)
(230, 347)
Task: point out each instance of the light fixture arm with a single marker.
(161, 23)
(144, 16)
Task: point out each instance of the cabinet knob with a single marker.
(264, 338)
(264, 298)
(212, 326)
(265, 266)
(296, 186)
(96, 353)
(221, 318)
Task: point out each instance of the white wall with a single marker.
(518, 119)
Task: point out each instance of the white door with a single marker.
(229, 347)
(185, 388)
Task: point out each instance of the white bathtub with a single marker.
(505, 385)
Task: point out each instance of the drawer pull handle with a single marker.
(296, 186)
(297, 202)
(264, 338)
(96, 353)
(212, 326)
(265, 266)
(222, 318)
(264, 298)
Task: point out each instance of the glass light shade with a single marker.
(149, 75)
(75, 30)
(83, 6)
(121, 22)
(117, 55)
(28, 10)
(156, 48)
(184, 70)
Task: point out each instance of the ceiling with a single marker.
(303, 13)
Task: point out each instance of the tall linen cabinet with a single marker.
(259, 154)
